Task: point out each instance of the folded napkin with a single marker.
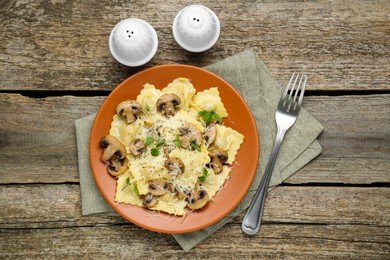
(250, 77)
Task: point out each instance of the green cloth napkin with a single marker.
(250, 77)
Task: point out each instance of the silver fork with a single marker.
(286, 115)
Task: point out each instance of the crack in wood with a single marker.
(100, 93)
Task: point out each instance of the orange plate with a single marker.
(242, 174)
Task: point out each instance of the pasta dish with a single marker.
(169, 148)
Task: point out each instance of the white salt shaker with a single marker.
(133, 42)
(196, 28)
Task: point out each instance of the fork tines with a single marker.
(297, 84)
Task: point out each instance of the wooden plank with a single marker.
(123, 241)
(38, 144)
(58, 42)
(59, 206)
(355, 141)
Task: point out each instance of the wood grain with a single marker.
(351, 222)
(124, 241)
(336, 207)
(59, 206)
(356, 141)
(63, 45)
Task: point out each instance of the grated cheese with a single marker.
(149, 166)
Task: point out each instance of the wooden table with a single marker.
(55, 67)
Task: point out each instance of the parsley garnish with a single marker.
(155, 152)
(136, 191)
(195, 146)
(149, 140)
(127, 183)
(160, 143)
(147, 107)
(204, 175)
(177, 141)
(207, 116)
(218, 117)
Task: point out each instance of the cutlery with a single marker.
(285, 116)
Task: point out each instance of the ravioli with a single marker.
(229, 140)
(175, 160)
(183, 88)
(210, 100)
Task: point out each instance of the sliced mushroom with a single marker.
(167, 151)
(197, 199)
(220, 154)
(174, 165)
(117, 166)
(112, 147)
(167, 104)
(137, 147)
(149, 200)
(114, 154)
(129, 109)
(189, 135)
(158, 187)
(210, 133)
(218, 158)
(216, 165)
(180, 193)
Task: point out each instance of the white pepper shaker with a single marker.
(196, 28)
(133, 42)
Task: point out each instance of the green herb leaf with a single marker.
(147, 107)
(155, 152)
(127, 183)
(206, 116)
(204, 175)
(149, 140)
(177, 141)
(218, 117)
(195, 146)
(202, 178)
(136, 191)
(160, 143)
(201, 113)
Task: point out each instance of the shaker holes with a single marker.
(132, 32)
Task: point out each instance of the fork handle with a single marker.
(252, 219)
